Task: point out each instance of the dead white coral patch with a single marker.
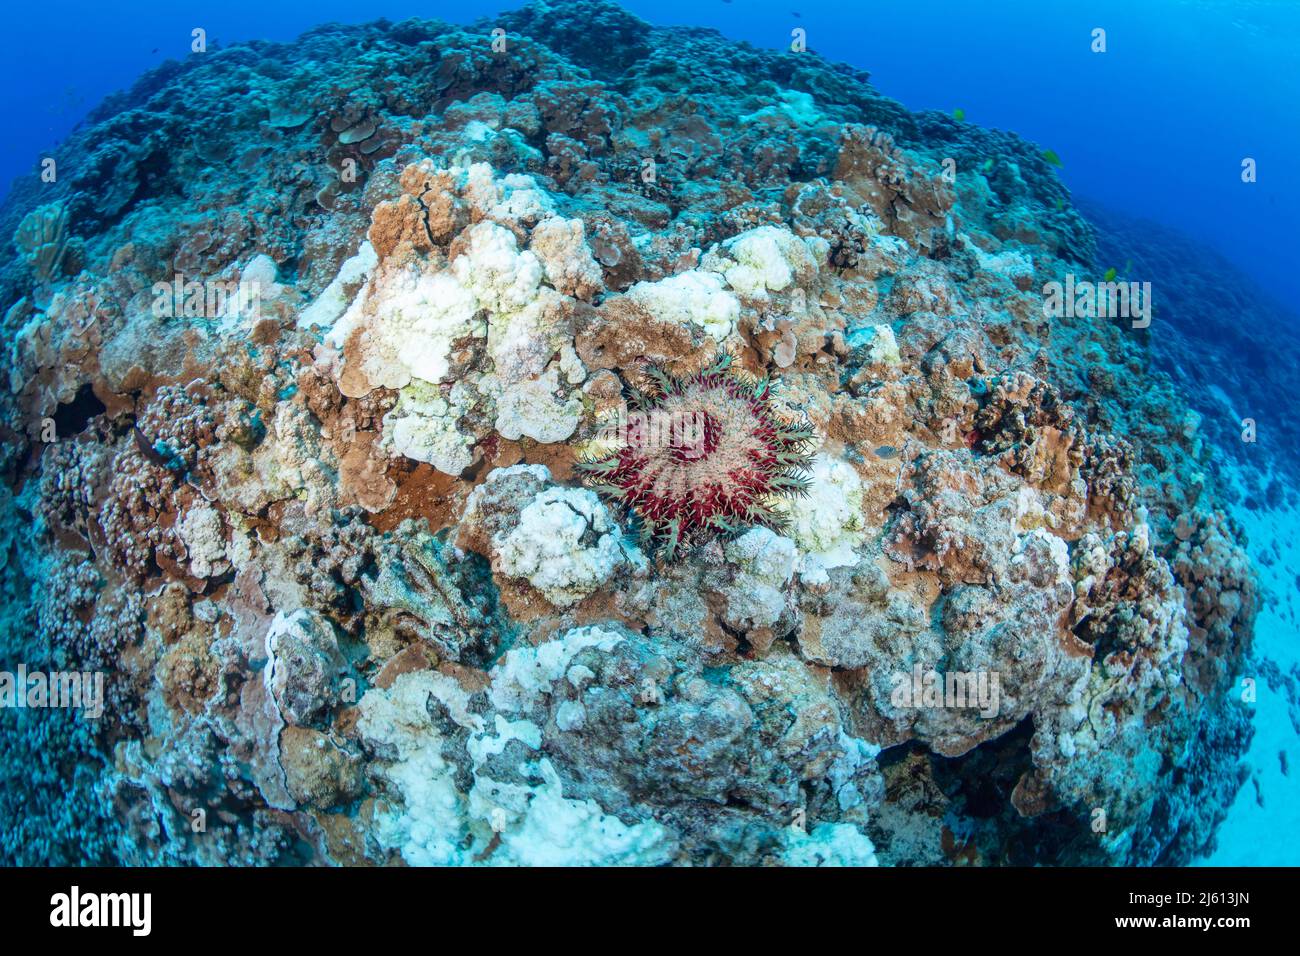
(693, 298)
(538, 409)
(423, 426)
(566, 545)
(526, 674)
(202, 531)
(829, 524)
(486, 319)
(561, 245)
(767, 259)
(402, 326)
(765, 564)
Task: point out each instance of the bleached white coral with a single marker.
(1041, 541)
(536, 409)
(879, 342)
(766, 258)
(566, 545)
(501, 491)
(422, 426)
(536, 825)
(288, 463)
(492, 267)
(512, 198)
(201, 530)
(855, 753)
(404, 326)
(522, 343)
(560, 831)
(333, 300)
(561, 245)
(829, 844)
(791, 107)
(1010, 262)
(695, 298)
(434, 823)
(525, 673)
(405, 322)
(430, 829)
(828, 523)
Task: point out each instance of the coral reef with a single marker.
(1203, 313)
(307, 452)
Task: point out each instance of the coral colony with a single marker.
(486, 446)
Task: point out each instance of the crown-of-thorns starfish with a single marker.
(703, 454)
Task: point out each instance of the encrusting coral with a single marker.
(371, 580)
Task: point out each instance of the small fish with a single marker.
(959, 115)
(886, 451)
(988, 165)
(151, 451)
(1052, 158)
(1111, 273)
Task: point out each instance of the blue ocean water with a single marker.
(1154, 132)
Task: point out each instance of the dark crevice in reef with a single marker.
(980, 782)
(72, 417)
(973, 796)
(980, 785)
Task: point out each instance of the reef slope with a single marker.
(306, 340)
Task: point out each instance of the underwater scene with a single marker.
(650, 434)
